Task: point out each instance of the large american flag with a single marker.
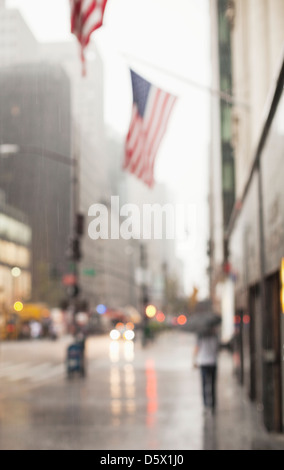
(150, 115)
(86, 17)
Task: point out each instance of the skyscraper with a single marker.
(35, 118)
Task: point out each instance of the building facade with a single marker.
(104, 268)
(222, 168)
(255, 232)
(35, 119)
(15, 257)
(17, 43)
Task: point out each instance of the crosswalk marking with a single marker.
(34, 373)
(8, 371)
(54, 372)
(5, 365)
(29, 372)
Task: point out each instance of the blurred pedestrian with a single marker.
(206, 358)
(36, 329)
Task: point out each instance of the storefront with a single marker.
(15, 258)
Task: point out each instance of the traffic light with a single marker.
(80, 223)
(75, 249)
(73, 291)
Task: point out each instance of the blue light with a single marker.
(101, 309)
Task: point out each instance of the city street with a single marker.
(132, 398)
(141, 193)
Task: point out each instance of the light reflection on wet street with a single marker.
(132, 398)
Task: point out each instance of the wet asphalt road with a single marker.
(131, 399)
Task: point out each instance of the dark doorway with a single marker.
(272, 355)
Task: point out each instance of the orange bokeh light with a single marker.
(160, 317)
(246, 319)
(238, 319)
(182, 320)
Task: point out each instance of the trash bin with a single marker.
(76, 359)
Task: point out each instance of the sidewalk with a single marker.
(237, 424)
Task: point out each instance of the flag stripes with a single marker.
(147, 129)
(86, 17)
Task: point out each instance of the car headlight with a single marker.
(114, 335)
(129, 335)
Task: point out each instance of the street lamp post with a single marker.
(16, 273)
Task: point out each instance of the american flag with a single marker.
(150, 115)
(86, 17)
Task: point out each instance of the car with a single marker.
(124, 331)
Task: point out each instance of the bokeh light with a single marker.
(151, 311)
(16, 272)
(182, 320)
(114, 335)
(18, 306)
(238, 320)
(129, 335)
(246, 319)
(160, 317)
(101, 309)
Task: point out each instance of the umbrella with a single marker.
(202, 322)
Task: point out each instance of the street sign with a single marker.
(89, 272)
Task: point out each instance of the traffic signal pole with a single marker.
(77, 231)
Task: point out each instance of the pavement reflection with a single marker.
(122, 380)
(152, 393)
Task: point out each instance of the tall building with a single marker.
(17, 43)
(104, 276)
(35, 118)
(222, 167)
(257, 41)
(255, 233)
(35, 112)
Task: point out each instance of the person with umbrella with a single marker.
(206, 358)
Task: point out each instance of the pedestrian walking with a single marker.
(206, 358)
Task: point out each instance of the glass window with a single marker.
(228, 176)
(14, 255)
(13, 230)
(226, 124)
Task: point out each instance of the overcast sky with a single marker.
(167, 35)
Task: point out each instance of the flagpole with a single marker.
(224, 96)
